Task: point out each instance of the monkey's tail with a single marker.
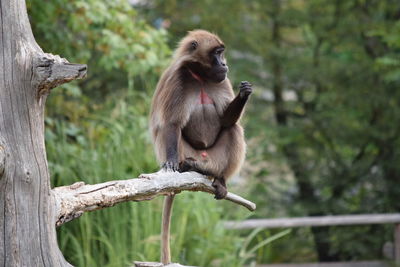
(165, 229)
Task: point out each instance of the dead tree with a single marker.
(29, 208)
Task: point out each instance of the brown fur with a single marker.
(174, 102)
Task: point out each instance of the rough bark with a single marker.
(2, 158)
(72, 201)
(27, 221)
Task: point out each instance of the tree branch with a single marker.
(73, 200)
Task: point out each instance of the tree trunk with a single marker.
(27, 224)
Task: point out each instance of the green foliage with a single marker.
(108, 36)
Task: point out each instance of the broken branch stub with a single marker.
(52, 71)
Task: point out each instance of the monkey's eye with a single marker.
(194, 45)
(219, 51)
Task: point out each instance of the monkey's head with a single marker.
(204, 56)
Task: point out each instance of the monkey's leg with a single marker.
(220, 161)
(166, 145)
(226, 156)
(190, 164)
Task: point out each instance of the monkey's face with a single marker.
(204, 53)
(208, 64)
(219, 69)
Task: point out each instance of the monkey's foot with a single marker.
(220, 188)
(191, 165)
(187, 165)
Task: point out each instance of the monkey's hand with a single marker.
(245, 89)
(171, 166)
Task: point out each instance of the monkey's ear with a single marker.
(193, 45)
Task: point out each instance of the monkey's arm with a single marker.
(234, 110)
(171, 136)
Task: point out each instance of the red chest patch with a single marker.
(204, 98)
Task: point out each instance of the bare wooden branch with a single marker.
(77, 198)
(315, 221)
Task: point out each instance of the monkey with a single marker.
(194, 114)
(194, 117)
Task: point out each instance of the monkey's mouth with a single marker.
(223, 70)
(219, 76)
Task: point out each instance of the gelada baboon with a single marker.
(194, 114)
